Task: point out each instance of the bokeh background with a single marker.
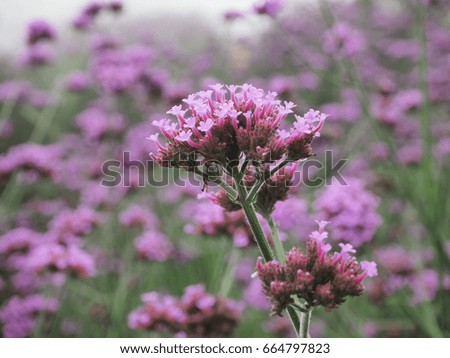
(82, 86)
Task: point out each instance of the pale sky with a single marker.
(15, 14)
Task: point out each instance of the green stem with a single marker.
(261, 239)
(254, 223)
(7, 109)
(277, 244)
(423, 83)
(255, 189)
(305, 320)
(43, 123)
(228, 276)
(293, 316)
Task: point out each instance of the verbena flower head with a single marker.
(18, 240)
(18, 315)
(37, 55)
(139, 216)
(78, 82)
(56, 257)
(37, 158)
(343, 41)
(226, 123)
(39, 30)
(154, 246)
(95, 123)
(195, 314)
(269, 7)
(318, 277)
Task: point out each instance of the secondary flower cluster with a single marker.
(318, 277)
(224, 124)
(196, 314)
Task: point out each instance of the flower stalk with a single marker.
(262, 241)
(305, 320)
(253, 221)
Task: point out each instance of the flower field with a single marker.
(179, 179)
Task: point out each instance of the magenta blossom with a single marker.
(222, 124)
(39, 30)
(319, 277)
(195, 314)
(269, 7)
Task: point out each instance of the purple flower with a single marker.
(30, 157)
(317, 277)
(18, 314)
(138, 215)
(115, 6)
(369, 267)
(424, 285)
(351, 210)
(292, 216)
(82, 21)
(95, 123)
(269, 7)
(154, 246)
(222, 124)
(410, 154)
(15, 91)
(196, 314)
(74, 223)
(396, 260)
(78, 82)
(347, 109)
(231, 15)
(39, 30)
(71, 259)
(254, 296)
(119, 70)
(344, 41)
(20, 239)
(206, 218)
(36, 55)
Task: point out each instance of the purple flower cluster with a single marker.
(195, 314)
(95, 123)
(78, 82)
(154, 246)
(138, 216)
(220, 125)
(269, 7)
(319, 277)
(206, 218)
(292, 217)
(39, 30)
(37, 51)
(351, 209)
(118, 70)
(18, 315)
(22, 92)
(70, 259)
(344, 41)
(86, 18)
(402, 270)
(29, 157)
